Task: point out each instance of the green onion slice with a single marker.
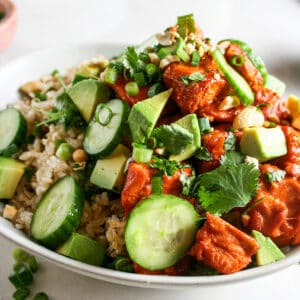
(103, 114)
(132, 88)
(237, 60)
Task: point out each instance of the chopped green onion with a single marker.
(41, 296)
(237, 60)
(204, 125)
(180, 50)
(15, 281)
(24, 275)
(17, 266)
(123, 264)
(195, 59)
(64, 151)
(139, 78)
(157, 185)
(152, 70)
(103, 114)
(2, 15)
(111, 75)
(20, 255)
(131, 88)
(154, 89)
(163, 52)
(33, 266)
(186, 25)
(21, 293)
(141, 153)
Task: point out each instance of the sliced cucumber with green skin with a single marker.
(101, 138)
(238, 83)
(13, 131)
(160, 230)
(58, 213)
(255, 59)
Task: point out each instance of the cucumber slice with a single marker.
(237, 82)
(160, 230)
(102, 139)
(83, 248)
(255, 59)
(13, 131)
(58, 213)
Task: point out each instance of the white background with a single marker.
(272, 27)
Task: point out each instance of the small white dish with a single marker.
(31, 67)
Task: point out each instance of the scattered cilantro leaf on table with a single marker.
(174, 137)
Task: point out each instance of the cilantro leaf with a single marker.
(192, 78)
(203, 154)
(228, 186)
(231, 158)
(131, 60)
(166, 166)
(174, 137)
(275, 176)
(187, 183)
(230, 142)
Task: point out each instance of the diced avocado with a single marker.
(108, 172)
(144, 115)
(268, 252)
(274, 84)
(85, 72)
(11, 172)
(87, 94)
(263, 143)
(83, 248)
(189, 122)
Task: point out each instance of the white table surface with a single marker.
(273, 26)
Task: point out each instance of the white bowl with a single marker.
(43, 62)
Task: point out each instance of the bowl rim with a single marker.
(8, 231)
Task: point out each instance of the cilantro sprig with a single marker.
(165, 166)
(233, 184)
(174, 137)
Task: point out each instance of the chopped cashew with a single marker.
(9, 212)
(229, 102)
(250, 116)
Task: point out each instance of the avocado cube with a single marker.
(190, 123)
(84, 249)
(263, 143)
(268, 252)
(144, 115)
(11, 172)
(109, 172)
(87, 94)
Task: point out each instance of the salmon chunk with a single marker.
(222, 246)
(195, 96)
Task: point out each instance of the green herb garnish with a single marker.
(203, 154)
(275, 176)
(233, 184)
(192, 78)
(174, 137)
(165, 166)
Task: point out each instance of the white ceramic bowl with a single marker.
(43, 62)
